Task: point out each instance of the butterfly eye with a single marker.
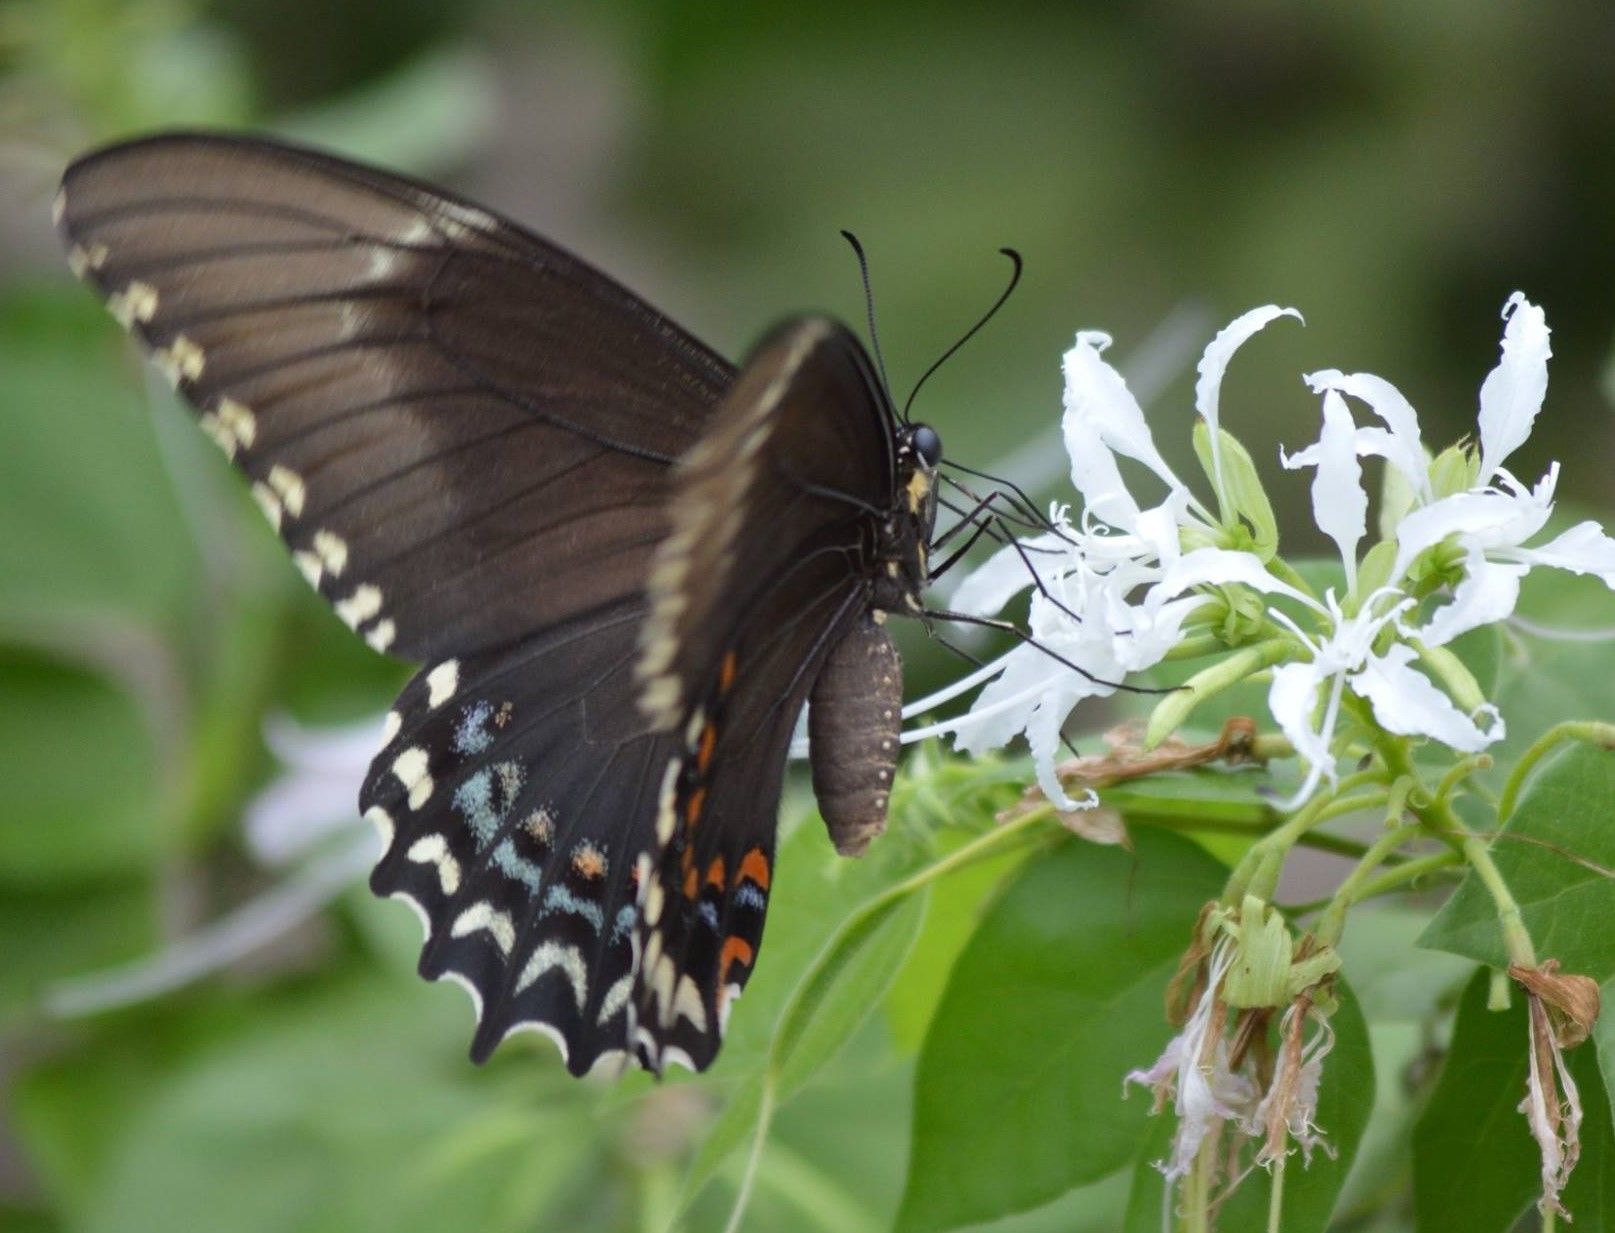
(927, 444)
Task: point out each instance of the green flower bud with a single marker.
(1242, 501)
(1454, 470)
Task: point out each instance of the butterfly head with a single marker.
(905, 535)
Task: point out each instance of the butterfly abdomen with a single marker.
(855, 721)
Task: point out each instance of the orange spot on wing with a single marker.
(692, 882)
(755, 867)
(715, 872)
(709, 741)
(692, 811)
(734, 948)
(726, 672)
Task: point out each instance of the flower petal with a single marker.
(1095, 475)
(1399, 443)
(1214, 365)
(1584, 549)
(1004, 575)
(1512, 393)
(1339, 504)
(1293, 699)
(1487, 594)
(1097, 394)
(1487, 520)
(1408, 703)
(1219, 567)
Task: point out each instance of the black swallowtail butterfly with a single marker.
(624, 563)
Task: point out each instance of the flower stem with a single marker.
(1589, 731)
(1173, 709)
(1401, 875)
(1275, 1199)
(1333, 922)
(1258, 872)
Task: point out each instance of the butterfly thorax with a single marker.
(904, 535)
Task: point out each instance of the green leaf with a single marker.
(957, 905)
(835, 994)
(351, 1109)
(1345, 1100)
(1475, 1165)
(1555, 854)
(842, 987)
(1057, 996)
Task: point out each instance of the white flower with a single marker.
(1115, 590)
(1489, 525)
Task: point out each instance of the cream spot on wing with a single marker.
(136, 302)
(268, 502)
(727, 997)
(383, 822)
(692, 730)
(483, 915)
(434, 850)
(381, 635)
(661, 986)
(58, 207)
(359, 607)
(288, 484)
(412, 771)
(332, 549)
(222, 436)
(653, 904)
(309, 566)
(390, 727)
(239, 420)
(181, 360)
(555, 955)
(616, 997)
(664, 805)
(441, 682)
(687, 1002)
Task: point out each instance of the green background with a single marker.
(1393, 170)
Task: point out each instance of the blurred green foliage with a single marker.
(1392, 170)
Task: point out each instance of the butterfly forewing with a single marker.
(430, 402)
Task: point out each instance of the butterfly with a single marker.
(623, 564)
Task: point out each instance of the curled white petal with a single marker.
(1512, 393)
(1408, 703)
(1490, 520)
(1214, 365)
(1584, 549)
(1399, 442)
(1095, 475)
(1293, 701)
(1488, 593)
(1339, 504)
(1096, 393)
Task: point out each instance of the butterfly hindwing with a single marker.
(516, 793)
(428, 400)
(764, 571)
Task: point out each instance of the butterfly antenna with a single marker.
(869, 309)
(1014, 280)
